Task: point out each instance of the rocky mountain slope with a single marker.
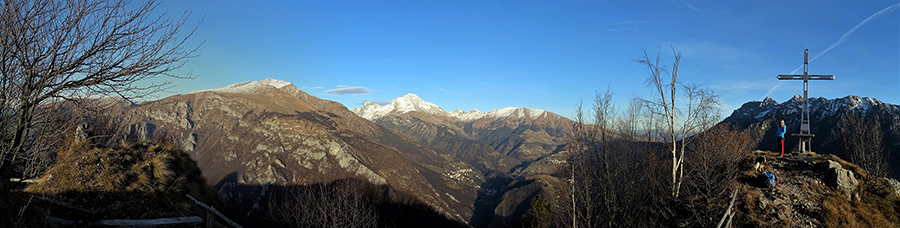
(501, 143)
(271, 133)
(762, 118)
(519, 133)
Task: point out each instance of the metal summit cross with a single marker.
(804, 122)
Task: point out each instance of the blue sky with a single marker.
(542, 54)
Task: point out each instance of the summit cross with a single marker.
(805, 136)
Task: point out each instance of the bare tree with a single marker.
(52, 51)
(862, 142)
(609, 169)
(713, 169)
(680, 119)
(348, 204)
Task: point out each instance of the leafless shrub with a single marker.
(55, 51)
(348, 204)
(713, 169)
(862, 143)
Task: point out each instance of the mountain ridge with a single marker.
(270, 132)
(412, 102)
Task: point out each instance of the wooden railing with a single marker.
(210, 211)
(186, 221)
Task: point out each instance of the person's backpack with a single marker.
(772, 180)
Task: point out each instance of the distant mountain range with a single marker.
(522, 134)
(501, 143)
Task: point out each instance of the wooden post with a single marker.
(209, 219)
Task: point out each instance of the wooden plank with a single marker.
(215, 212)
(188, 221)
(79, 212)
(25, 180)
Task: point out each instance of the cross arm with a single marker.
(805, 77)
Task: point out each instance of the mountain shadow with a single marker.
(349, 202)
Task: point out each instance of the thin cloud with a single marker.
(889, 9)
(356, 90)
(340, 86)
(740, 85)
(621, 26)
(694, 8)
(442, 90)
(691, 6)
(629, 22)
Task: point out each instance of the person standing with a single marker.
(781, 130)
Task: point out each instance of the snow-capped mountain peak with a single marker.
(407, 103)
(411, 102)
(275, 82)
(250, 86)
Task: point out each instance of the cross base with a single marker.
(805, 139)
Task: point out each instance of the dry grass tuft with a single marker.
(139, 180)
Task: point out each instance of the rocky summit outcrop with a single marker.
(813, 191)
(271, 133)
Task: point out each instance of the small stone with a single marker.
(779, 202)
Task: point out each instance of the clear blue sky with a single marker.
(542, 54)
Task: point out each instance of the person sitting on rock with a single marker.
(781, 130)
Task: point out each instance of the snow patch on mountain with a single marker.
(249, 87)
(469, 116)
(275, 82)
(501, 113)
(411, 102)
(535, 113)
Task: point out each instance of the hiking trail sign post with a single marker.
(805, 136)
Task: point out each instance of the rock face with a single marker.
(270, 132)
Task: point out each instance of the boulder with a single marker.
(829, 164)
(895, 185)
(841, 178)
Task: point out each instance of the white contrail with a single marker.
(843, 38)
